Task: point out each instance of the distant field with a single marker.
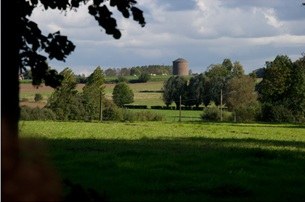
(144, 93)
(166, 161)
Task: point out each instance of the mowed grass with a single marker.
(166, 161)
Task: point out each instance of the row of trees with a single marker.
(138, 70)
(280, 96)
(68, 103)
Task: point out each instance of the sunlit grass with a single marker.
(166, 161)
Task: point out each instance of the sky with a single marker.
(203, 32)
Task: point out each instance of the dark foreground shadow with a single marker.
(181, 169)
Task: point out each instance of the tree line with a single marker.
(278, 97)
(67, 103)
(138, 70)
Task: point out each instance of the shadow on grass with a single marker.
(184, 169)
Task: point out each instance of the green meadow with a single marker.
(171, 161)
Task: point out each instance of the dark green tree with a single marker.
(296, 93)
(93, 92)
(173, 88)
(144, 77)
(122, 94)
(282, 90)
(110, 72)
(195, 90)
(23, 41)
(227, 64)
(217, 76)
(276, 81)
(66, 102)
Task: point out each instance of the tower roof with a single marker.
(180, 60)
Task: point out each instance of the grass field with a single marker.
(166, 161)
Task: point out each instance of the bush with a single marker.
(27, 113)
(148, 116)
(276, 113)
(247, 114)
(211, 114)
(122, 79)
(144, 77)
(111, 112)
(38, 97)
(131, 116)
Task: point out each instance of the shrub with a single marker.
(148, 116)
(211, 114)
(122, 79)
(276, 113)
(111, 112)
(247, 114)
(122, 94)
(27, 113)
(131, 116)
(144, 77)
(38, 97)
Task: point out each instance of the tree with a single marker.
(195, 90)
(276, 81)
(92, 92)
(144, 77)
(122, 94)
(66, 102)
(296, 93)
(282, 90)
(217, 76)
(241, 98)
(174, 88)
(110, 72)
(237, 70)
(24, 41)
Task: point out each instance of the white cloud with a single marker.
(272, 20)
(204, 33)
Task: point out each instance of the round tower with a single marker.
(180, 67)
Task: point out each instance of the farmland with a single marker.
(166, 161)
(145, 93)
(190, 160)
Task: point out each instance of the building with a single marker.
(180, 67)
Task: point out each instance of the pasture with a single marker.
(166, 161)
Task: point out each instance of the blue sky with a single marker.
(204, 32)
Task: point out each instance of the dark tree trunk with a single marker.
(9, 94)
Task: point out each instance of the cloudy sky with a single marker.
(204, 32)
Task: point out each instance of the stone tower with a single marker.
(180, 67)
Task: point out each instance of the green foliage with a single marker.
(27, 113)
(66, 102)
(241, 98)
(92, 93)
(38, 97)
(144, 77)
(282, 91)
(122, 79)
(173, 88)
(211, 113)
(122, 94)
(195, 91)
(111, 112)
(277, 113)
(276, 81)
(148, 116)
